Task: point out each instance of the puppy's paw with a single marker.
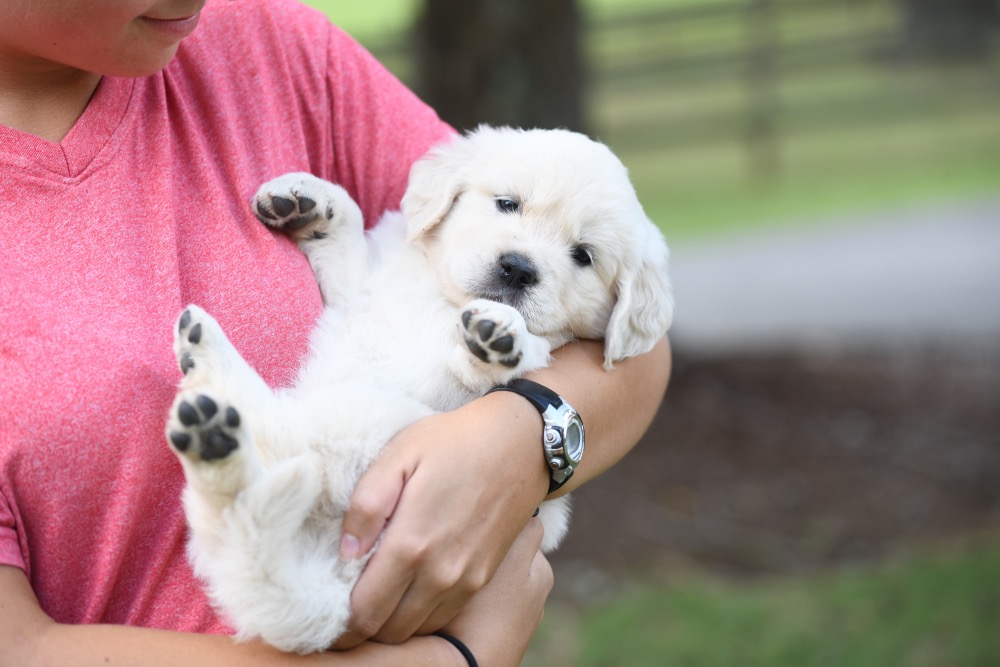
(494, 332)
(201, 347)
(305, 207)
(204, 429)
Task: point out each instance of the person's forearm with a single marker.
(101, 645)
(617, 406)
(29, 638)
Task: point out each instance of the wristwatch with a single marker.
(562, 428)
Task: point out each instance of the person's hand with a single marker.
(452, 493)
(498, 622)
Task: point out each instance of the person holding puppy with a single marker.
(131, 137)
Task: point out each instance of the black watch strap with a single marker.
(539, 395)
(542, 398)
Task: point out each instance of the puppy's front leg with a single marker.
(326, 223)
(496, 346)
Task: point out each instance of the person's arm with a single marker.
(453, 490)
(497, 626)
(31, 639)
(617, 406)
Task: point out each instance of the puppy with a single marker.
(510, 243)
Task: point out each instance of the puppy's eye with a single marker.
(581, 255)
(508, 205)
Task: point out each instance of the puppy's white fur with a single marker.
(418, 316)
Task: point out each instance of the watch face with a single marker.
(574, 441)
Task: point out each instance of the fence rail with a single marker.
(755, 70)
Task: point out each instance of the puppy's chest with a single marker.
(399, 337)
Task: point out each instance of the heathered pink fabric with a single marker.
(104, 237)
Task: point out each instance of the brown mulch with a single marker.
(784, 463)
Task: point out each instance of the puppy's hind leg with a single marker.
(277, 576)
(207, 425)
(326, 223)
(213, 443)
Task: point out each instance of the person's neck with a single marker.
(44, 100)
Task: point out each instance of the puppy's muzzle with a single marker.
(516, 272)
(508, 280)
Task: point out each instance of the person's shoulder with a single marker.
(285, 16)
(244, 29)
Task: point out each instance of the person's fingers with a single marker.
(374, 599)
(441, 617)
(410, 614)
(541, 572)
(415, 615)
(435, 599)
(406, 581)
(498, 622)
(529, 539)
(372, 504)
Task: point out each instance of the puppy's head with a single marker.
(545, 221)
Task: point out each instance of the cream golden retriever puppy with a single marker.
(509, 244)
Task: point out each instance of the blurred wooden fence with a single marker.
(753, 71)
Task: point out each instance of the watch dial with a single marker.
(574, 441)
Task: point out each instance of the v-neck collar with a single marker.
(87, 140)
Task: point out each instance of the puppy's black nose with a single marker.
(517, 271)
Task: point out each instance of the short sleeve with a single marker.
(10, 546)
(379, 127)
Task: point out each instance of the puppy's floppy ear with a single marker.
(645, 306)
(435, 183)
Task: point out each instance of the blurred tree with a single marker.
(950, 28)
(514, 62)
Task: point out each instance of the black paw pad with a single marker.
(511, 362)
(217, 445)
(282, 206)
(207, 406)
(306, 204)
(205, 430)
(262, 212)
(187, 414)
(485, 329)
(299, 222)
(477, 349)
(503, 344)
(180, 440)
(187, 362)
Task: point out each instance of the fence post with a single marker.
(761, 80)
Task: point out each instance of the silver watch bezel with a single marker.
(558, 422)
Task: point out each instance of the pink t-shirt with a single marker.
(106, 236)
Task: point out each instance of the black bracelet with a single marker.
(462, 648)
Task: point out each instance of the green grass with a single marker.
(705, 191)
(371, 18)
(928, 611)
